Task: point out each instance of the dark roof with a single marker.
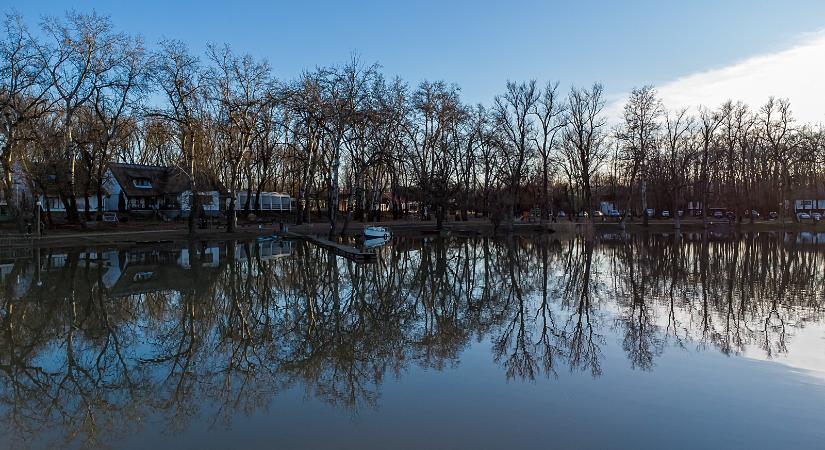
(52, 178)
(163, 180)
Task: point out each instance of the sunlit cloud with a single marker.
(796, 73)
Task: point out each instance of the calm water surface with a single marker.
(624, 341)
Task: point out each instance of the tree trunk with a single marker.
(246, 207)
(230, 213)
(645, 216)
(194, 210)
(545, 186)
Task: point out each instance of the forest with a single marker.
(77, 94)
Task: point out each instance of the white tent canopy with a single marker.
(268, 201)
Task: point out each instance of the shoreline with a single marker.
(145, 235)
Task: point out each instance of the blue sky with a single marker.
(479, 44)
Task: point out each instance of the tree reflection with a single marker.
(93, 342)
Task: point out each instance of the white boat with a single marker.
(376, 232)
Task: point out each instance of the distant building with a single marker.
(809, 205)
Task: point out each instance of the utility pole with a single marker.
(37, 219)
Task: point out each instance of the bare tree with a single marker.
(24, 97)
(639, 136)
(513, 112)
(178, 75)
(82, 50)
(434, 109)
(238, 92)
(709, 122)
(777, 124)
(583, 146)
(549, 112)
(679, 154)
(116, 104)
(304, 103)
(349, 120)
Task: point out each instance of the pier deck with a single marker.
(346, 251)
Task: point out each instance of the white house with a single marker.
(166, 190)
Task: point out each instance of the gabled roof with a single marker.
(52, 178)
(162, 180)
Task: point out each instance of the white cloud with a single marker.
(796, 73)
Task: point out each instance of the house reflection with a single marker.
(136, 270)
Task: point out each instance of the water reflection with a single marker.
(97, 344)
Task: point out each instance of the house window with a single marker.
(142, 183)
(143, 276)
(139, 203)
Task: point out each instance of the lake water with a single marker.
(622, 341)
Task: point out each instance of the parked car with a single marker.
(730, 215)
(680, 213)
(803, 216)
(614, 213)
(773, 215)
(718, 215)
(561, 214)
(598, 214)
(582, 214)
(816, 216)
(665, 214)
(752, 214)
(650, 212)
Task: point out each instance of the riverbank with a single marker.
(145, 233)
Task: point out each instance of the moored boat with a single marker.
(377, 232)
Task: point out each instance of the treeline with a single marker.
(78, 94)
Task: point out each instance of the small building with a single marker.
(809, 205)
(144, 189)
(267, 201)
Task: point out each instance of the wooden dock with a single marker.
(346, 251)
